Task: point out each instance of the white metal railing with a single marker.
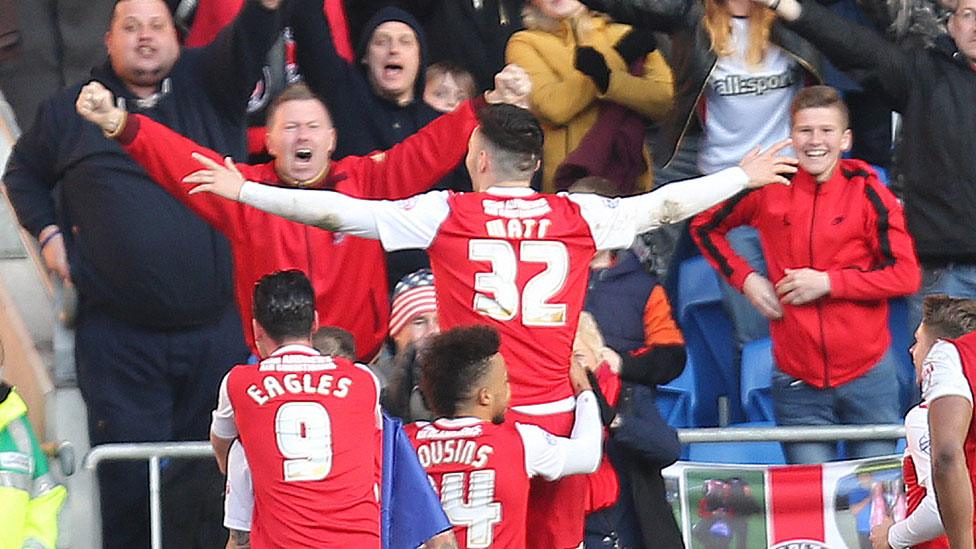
(155, 451)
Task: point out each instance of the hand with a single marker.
(612, 359)
(512, 86)
(578, 378)
(759, 291)
(271, 4)
(879, 534)
(222, 180)
(635, 44)
(802, 286)
(54, 254)
(765, 167)
(592, 63)
(96, 104)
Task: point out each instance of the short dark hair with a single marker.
(452, 365)
(299, 91)
(515, 138)
(948, 317)
(813, 97)
(284, 305)
(334, 341)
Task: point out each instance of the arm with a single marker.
(663, 356)
(657, 15)
(946, 390)
(557, 98)
(29, 182)
(326, 72)
(223, 426)
(167, 156)
(857, 50)
(232, 63)
(641, 429)
(650, 94)
(897, 272)
(419, 161)
(46, 496)
(554, 457)
(614, 223)
(922, 525)
(949, 419)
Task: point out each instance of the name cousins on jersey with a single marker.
(449, 447)
(517, 212)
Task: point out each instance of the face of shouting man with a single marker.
(142, 44)
(301, 139)
(393, 61)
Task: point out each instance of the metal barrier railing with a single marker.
(155, 451)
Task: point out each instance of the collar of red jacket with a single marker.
(846, 169)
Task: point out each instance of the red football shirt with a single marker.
(516, 260)
(311, 430)
(478, 469)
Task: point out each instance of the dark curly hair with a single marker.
(284, 305)
(452, 365)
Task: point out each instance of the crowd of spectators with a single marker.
(379, 99)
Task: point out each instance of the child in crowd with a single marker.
(448, 85)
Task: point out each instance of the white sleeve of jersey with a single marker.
(942, 374)
(239, 496)
(615, 222)
(327, 210)
(222, 422)
(553, 457)
(925, 523)
(412, 223)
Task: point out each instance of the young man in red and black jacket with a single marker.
(837, 249)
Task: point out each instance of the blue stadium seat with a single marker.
(769, 453)
(757, 371)
(676, 400)
(708, 334)
(882, 174)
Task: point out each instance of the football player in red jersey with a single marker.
(513, 258)
(309, 425)
(479, 463)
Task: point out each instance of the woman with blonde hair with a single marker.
(585, 67)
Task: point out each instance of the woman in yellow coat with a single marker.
(578, 60)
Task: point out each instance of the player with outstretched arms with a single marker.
(512, 258)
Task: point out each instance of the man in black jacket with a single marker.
(934, 89)
(156, 327)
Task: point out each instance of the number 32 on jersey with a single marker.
(497, 293)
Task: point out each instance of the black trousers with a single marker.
(145, 385)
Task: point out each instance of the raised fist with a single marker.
(96, 104)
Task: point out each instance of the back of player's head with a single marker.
(513, 136)
(453, 365)
(334, 341)
(948, 317)
(284, 305)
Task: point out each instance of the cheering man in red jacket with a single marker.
(348, 273)
(837, 249)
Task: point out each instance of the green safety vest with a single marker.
(30, 498)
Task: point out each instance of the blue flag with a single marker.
(411, 511)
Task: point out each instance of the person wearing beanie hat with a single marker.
(413, 315)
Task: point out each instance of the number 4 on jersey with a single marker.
(479, 514)
(502, 281)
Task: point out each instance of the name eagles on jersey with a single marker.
(302, 382)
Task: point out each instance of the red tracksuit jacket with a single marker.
(851, 227)
(348, 273)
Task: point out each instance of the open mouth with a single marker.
(303, 155)
(392, 70)
(146, 51)
(815, 154)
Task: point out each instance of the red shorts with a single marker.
(557, 512)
